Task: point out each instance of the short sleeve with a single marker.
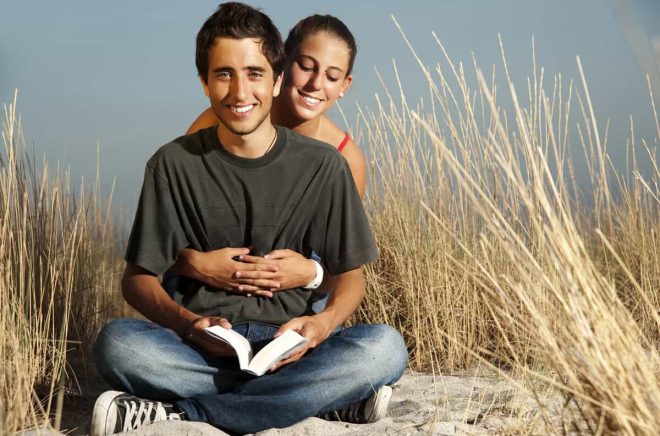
(348, 240)
(157, 235)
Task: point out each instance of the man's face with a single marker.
(240, 85)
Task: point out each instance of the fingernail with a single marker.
(238, 274)
(249, 295)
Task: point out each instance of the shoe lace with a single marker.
(146, 412)
(355, 413)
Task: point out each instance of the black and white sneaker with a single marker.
(366, 411)
(119, 412)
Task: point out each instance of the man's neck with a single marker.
(250, 146)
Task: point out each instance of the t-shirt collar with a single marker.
(245, 162)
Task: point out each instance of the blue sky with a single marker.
(121, 75)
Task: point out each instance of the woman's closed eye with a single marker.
(305, 66)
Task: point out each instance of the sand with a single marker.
(467, 403)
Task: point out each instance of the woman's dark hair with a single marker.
(239, 21)
(321, 23)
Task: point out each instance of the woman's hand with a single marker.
(220, 269)
(292, 270)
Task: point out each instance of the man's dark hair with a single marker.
(238, 21)
(321, 23)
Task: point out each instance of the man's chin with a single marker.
(237, 130)
(240, 129)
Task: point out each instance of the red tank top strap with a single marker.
(344, 142)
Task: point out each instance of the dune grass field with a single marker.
(491, 252)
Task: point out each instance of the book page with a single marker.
(238, 342)
(277, 349)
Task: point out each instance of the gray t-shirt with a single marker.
(300, 195)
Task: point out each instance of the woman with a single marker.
(320, 54)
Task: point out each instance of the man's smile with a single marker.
(241, 109)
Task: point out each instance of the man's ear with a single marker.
(204, 85)
(277, 87)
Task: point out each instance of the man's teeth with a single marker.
(310, 100)
(242, 109)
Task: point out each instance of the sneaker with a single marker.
(119, 412)
(366, 411)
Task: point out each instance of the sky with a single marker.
(119, 78)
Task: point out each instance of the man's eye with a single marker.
(223, 75)
(256, 75)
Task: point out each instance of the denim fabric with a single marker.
(153, 362)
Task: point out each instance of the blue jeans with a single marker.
(153, 362)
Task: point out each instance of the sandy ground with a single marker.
(466, 403)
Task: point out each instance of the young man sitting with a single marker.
(244, 183)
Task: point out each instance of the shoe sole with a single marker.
(381, 404)
(100, 414)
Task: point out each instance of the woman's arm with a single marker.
(232, 269)
(357, 162)
(204, 120)
(221, 269)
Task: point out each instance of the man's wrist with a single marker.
(185, 322)
(327, 318)
(188, 331)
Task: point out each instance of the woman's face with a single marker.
(317, 75)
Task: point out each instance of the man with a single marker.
(246, 183)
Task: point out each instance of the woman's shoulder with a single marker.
(204, 120)
(352, 152)
(341, 140)
(331, 133)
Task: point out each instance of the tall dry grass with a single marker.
(58, 265)
(491, 253)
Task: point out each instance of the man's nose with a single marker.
(239, 88)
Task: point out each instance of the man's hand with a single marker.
(195, 333)
(343, 301)
(293, 270)
(315, 328)
(143, 292)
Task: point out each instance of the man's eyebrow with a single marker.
(314, 60)
(255, 68)
(222, 68)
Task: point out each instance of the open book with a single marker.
(276, 350)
